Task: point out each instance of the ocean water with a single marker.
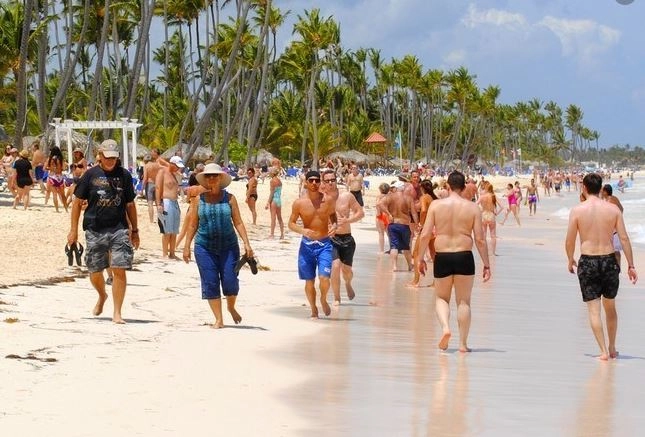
(633, 200)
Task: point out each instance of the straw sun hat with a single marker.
(224, 180)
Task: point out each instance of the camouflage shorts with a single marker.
(598, 276)
(108, 249)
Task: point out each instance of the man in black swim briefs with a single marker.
(596, 221)
(455, 220)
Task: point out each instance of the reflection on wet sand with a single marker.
(596, 410)
(449, 405)
(376, 369)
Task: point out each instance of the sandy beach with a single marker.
(372, 368)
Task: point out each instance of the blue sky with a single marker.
(585, 52)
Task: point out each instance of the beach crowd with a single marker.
(426, 217)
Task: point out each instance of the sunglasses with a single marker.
(212, 175)
(329, 181)
(313, 180)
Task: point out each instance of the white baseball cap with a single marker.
(177, 161)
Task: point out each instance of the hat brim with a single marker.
(110, 154)
(178, 164)
(224, 180)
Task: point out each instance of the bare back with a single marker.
(399, 205)
(487, 202)
(595, 221)
(150, 171)
(454, 219)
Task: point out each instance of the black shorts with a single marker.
(598, 276)
(344, 247)
(454, 263)
(359, 196)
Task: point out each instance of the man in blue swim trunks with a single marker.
(400, 208)
(316, 212)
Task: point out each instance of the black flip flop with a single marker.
(240, 263)
(78, 251)
(70, 254)
(253, 263)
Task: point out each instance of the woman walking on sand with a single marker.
(382, 219)
(512, 204)
(490, 208)
(274, 204)
(252, 193)
(213, 218)
(427, 196)
(24, 179)
(55, 180)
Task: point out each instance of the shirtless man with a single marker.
(150, 170)
(348, 211)
(470, 191)
(355, 184)
(38, 163)
(399, 208)
(455, 220)
(532, 197)
(168, 212)
(595, 221)
(316, 212)
(607, 194)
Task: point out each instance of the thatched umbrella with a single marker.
(263, 157)
(349, 155)
(48, 140)
(202, 153)
(28, 141)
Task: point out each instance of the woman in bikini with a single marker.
(490, 208)
(274, 204)
(512, 204)
(252, 192)
(78, 167)
(55, 180)
(427, 196)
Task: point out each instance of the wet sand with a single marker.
(376, 369)
(373, 368)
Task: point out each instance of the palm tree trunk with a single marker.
(21, 85)
(98, 71)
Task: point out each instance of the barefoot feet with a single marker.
(350, 292)
(443, 343)
(325, 307)
(98, 309)
(236, 316)
(218, 324)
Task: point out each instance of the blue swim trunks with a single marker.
(314, 254)
(39, 172)
(169, 220)
(399, 235)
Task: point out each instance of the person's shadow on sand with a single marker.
(127, 321)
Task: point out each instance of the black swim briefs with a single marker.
(344, 248)
(454, 263)
(598, 276)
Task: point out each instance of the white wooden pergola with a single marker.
(63, 129)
